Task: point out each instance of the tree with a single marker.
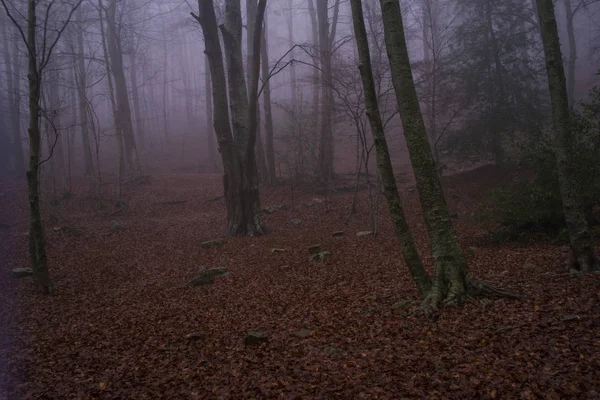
(39, 58)
(384, 163)
(270, 148)
(564, 137)
(452, 281)
(237, 145)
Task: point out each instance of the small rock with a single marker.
(314, 249)
(216, 271)
(366, 313)
(255, 338)
(213, 243)
(296, 221)
(285, 267)
(302, 333)
(567, 318)
(276, 250)
(194, 336)
(364, 233)
(527, 266)
(320, 256)
(269, 210)
(22, 272)
(400, 306)
(57, 229)
(116, 226)
(316, 200)
(202, 280)
(337, 234)
(284, 207)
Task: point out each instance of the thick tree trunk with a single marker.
(113, 103)
(452, 280)
(409, 250)
(270, 147)
(572, 52)
(564, 139)
(325, 168)
(240, 178)
(81, 83)
(13, 72)
(37, 241)
(123, 108)
(210, 132)
(316, 78)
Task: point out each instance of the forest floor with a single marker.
(116, 327)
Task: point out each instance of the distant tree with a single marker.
(564, 139)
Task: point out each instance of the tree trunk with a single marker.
(139, 122)
(81, 83)
(316, 78)
(123, 108)
(210, 132)
(37, 241)
(270, 147)
(113, 103)
(325, 168)
(564, 139)
(240, 180)
(409, 250)
(452, 280)
(572, 52)
(13, 78)
(58, 154)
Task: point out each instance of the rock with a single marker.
(202, 280)
(22, 272)
(255, 338)
(314, 249)
(337, 234)
(194, 336)
(567, 318)
(320, 256)
(213, 243)
(284, 207)
(269, 210)
(527, 266)
(302, 333)
(364, 233)
(565, 249)
(276, 250)
(296, 221)
(333, 350)
(285, 267)
(366, 313)
(116, 226)
(216, 271)
(316, 200)
(57, 229)
(400, 306)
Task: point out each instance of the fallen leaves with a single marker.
(122, 325)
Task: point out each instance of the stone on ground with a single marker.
(194, 336)
(116, 226)
(276, 250)
(202, 280)
(255, 338)
(216, 271)
(213, 243)
(22, 272)
(302, 333)
(364, 233)
(314, 249)
(337, 233)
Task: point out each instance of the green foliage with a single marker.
(527, 207)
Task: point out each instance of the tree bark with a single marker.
(409, 250)
(81, 83)
(270, 147)
(564, 138)
(37, 240)
(58, 154)
(325, 169)
(210, 132)
(570, 16)
(139, 122)
(240, 180)
(123, 108)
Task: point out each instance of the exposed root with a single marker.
(456, 293)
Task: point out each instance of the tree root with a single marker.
(449, 296)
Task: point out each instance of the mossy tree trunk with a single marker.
(564, 139)
(452, 281)
(409, 250)
(240, 178)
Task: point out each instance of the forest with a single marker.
(297, 199)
